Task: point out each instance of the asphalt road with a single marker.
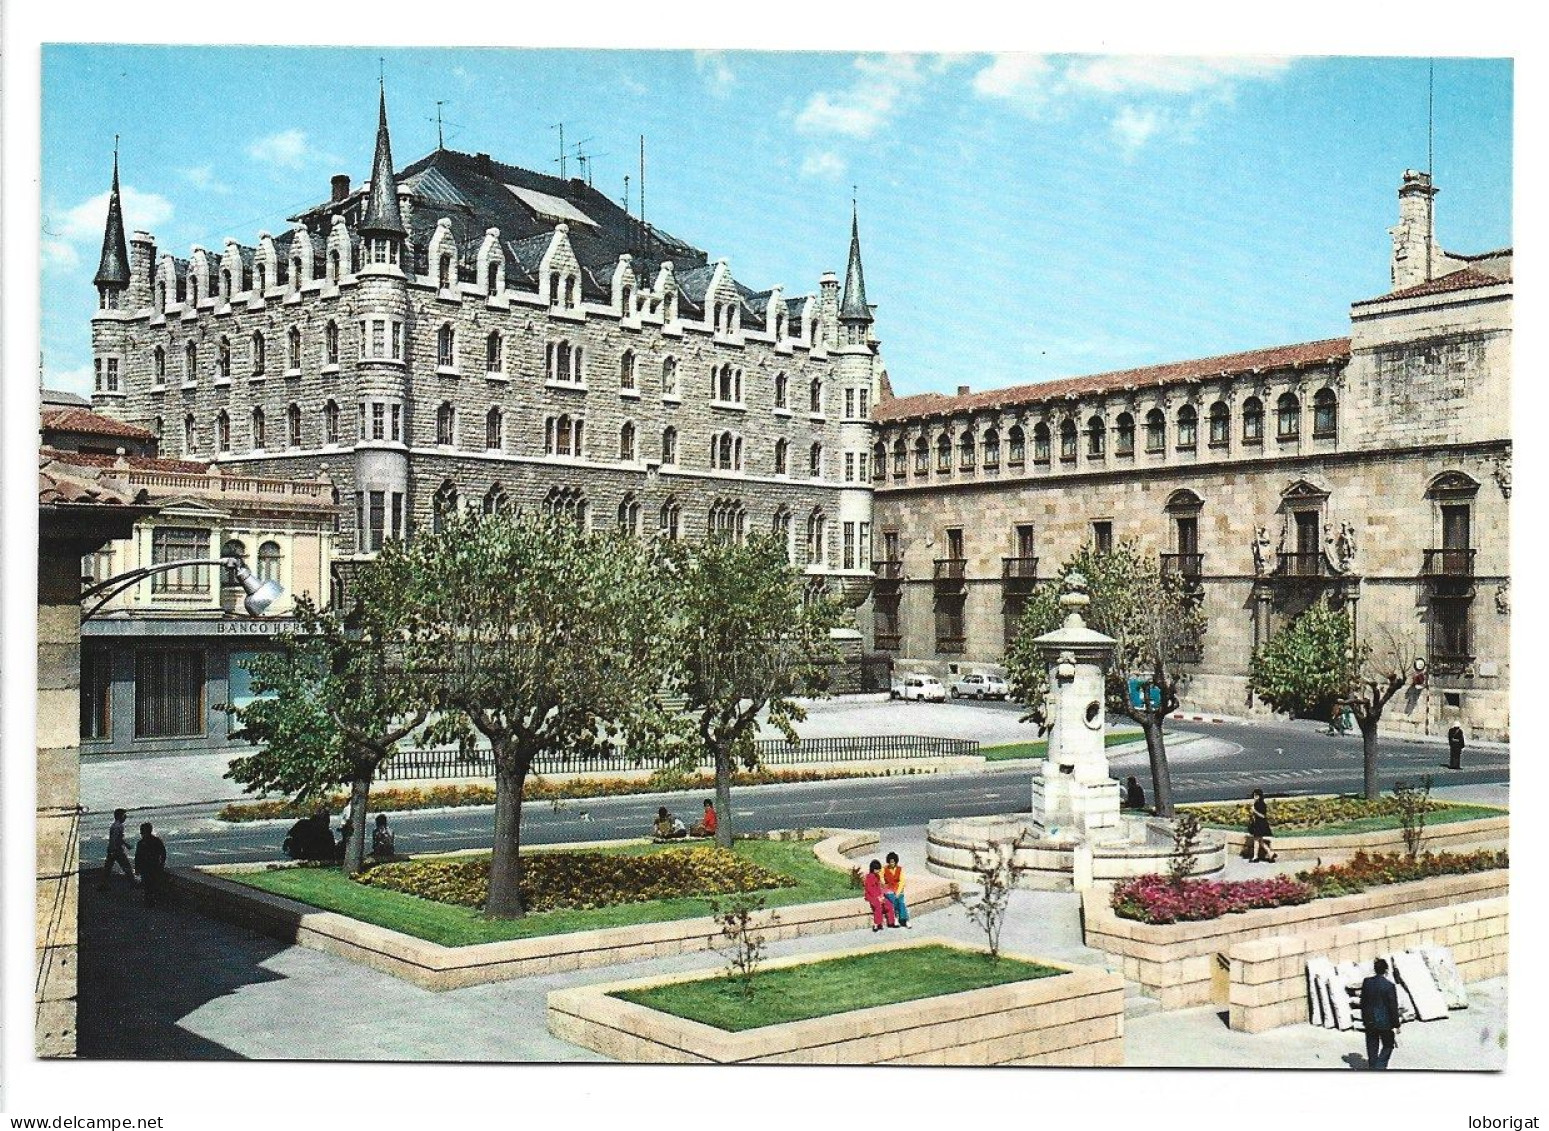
(1208, 761)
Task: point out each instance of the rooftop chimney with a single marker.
(962, 390)
(341, 186)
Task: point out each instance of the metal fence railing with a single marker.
(449, 762)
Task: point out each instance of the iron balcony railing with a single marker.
(1448, 563)
(888, 570)
(951, 569)
(1019, 569)
(1189, 566)
(1303, 564)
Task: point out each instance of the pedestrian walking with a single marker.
(881, 908)
(1379, 1016)
(118, 853)
(893, 888)
(1259, 831)
(150, 860)
(1455, 746)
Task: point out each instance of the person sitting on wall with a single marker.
(1134, 796)
(706, 827)
(382, 839)
(667, 827)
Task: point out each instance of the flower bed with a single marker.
(1293, 816)
(582, 881)
(397, 799)
(1158, 900)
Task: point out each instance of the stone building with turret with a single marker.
(466, 333)
(1372, 470)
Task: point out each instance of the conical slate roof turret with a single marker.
(113, 270)
(382, 215)
(853, 307)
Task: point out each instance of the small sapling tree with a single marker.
(996, 870)
(1414, 806)
(738, 917)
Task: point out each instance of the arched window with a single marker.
(879, 461)
(295, 273)
(627, 442)
(293, 426)
(627, 371)
(1288, 417)
(446, 347)
(725, 458)
(566, 503)
(817, 538)
(780, 530)
(991, 448)
(629, 515)
(331, 423)
(782, 455)
(781, 391)
(1220, 425)
(190, 434)
(269, 561)
(259, 439)
(223, 358)
(1124, 435)
(1067, 440)
(900, 458)
(331, 343)
(965, 449)
(260, 353)
(225, 285)
(190, 363)
(1041, 442)
(443, 506)
(669, 377)
(223, 431)
(1252, 421)
(492, 280)
(943, 453)
(1325, 413)
(446, 425)
(669, 446)
(444, 276)
(333, 266)
(671, 514)
(159, 361)
(263, 280)
(494, 430)
(494, 353)
(1188, 428)
(237, 549)
(1096, 438)
(815, 461)
(193, 290)
(1156, 431)
(1016, 446)
(817, 396)
(293, 349)
(495, 499)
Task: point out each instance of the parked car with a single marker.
(919, 688)
(979, 686)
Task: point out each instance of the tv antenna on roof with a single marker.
(440, 137)
(560, 126)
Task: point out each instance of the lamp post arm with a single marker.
(113, 586)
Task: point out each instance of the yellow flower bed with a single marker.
(1292, 814)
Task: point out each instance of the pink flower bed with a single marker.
(1157, 899)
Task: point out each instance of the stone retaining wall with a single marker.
(1268, 977)
(438, 967)
(1076, 1018)
(1183, 964)
(1438, 838)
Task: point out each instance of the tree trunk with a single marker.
(355, 850)
(505, 866)
(1368, 725)
(1161, 778)
(723, 772)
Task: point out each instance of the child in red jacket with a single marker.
(881, 907)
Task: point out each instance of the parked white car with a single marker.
(979, 685)
(920, 689)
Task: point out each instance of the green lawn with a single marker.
(327, 888)
(1040, 749)
(1373, 824)
(836, 985)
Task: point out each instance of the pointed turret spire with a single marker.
(853, 307)
(382, 215)
(113, 270)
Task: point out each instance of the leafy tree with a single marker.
(332, 706)
(537, 636)
(1154, 619)
(746, 639)
(1316, 661)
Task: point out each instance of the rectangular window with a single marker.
(378, 338)
(377, 519)
(864, 546)
(1025, 541)
(98, 366)
(112, 374)
(96, 693)
(378, 420)
(955, 544)
(849, 545)
(179, 544)
(397, 431)
(891, 548)
(1102, 536)
(865, 466)
(849, 467)
(865, 402)
(849, 404)
(360, 520)
(397, 527)
(168, 693)
(397, 341)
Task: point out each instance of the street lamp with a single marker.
(261, 595)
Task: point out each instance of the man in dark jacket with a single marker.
(1455, 747)
(150, 861)
(1379, 1015)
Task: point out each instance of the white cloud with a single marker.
(68, 231)
(203, 178)
(716, 72)
(59, 255)
(465, 77)
(1163, 95)
(288, 149)
(633, 85)
(824, 165)
(884, 83)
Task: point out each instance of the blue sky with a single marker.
(1023, 217)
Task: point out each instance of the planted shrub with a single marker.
(1412, 806)
(1295, 814)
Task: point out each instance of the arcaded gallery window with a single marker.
(171, 544)
(168, 692)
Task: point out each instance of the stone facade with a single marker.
(1373, 470)
(582, 362)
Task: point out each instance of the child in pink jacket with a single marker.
(881, 906)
